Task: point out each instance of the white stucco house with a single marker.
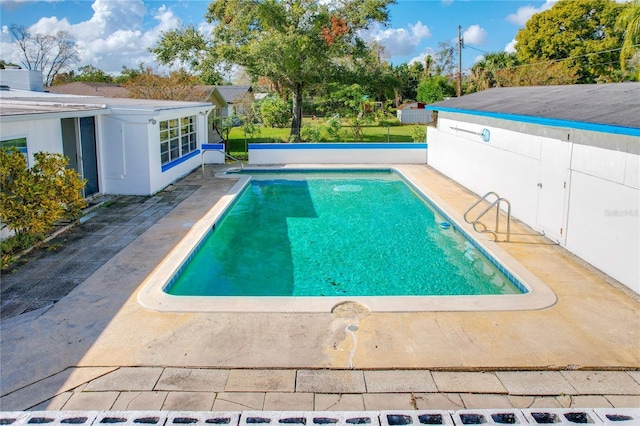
(120, 145)
(567, 158)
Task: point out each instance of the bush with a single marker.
(275, 112)
(33, 199)
(334, 129)
(310, 133)
(419, 134)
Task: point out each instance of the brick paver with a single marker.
(287, 401)
(338, 402)
(239, 401)
(462, 381)
(91, 401)
(399, 381)
(535, 383)
(602, 382)
(140, 401)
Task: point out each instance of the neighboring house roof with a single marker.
(234, 94)
(598, 105)
(81, 88)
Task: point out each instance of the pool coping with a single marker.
(153, 297)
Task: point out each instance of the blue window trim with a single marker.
(212, 146)
(180, 160)
(555, 122)
(340, 146)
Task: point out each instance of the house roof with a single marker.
(233, 94)
(615, 104)
(109, 90)
(15, 104)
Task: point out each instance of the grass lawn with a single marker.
(373, 133)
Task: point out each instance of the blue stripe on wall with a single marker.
(289, 146)
(212, 146)
(180, 160)
(556, 122)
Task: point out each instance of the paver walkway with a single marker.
(157, 388)
(97, 348)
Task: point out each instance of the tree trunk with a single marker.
(296, 122)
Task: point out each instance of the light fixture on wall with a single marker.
(152, 121)
(201, 112)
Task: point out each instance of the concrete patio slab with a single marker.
(127, 379)
(535, 383)
(91, 401)
(261, 381)
(338, 402)
(141, 401)
(399, 381)
(485, 401)
(590, 401)
(287, 401)
(602, 382)
(467, 381)
(239, 401)
(323, 381)
(195, 401)
(192, 379)
(438, 401)
(387, 401)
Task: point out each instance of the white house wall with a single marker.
(508, 164)
(42, 135)
(579, 187)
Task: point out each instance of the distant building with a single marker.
(413, 113)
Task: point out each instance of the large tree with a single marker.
(581, 33)
(296, 43)
(629, 22)
(47, 53)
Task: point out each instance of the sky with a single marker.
(113, 33)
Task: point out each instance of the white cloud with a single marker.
(511, 46)
(114, 36)
(475, 34)
(421, 57)
(522, 15)
(398, 41)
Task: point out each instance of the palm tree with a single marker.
(629, 22)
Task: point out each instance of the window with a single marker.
(177, 138)
(20, 143)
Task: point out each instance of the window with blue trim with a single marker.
(177, 138)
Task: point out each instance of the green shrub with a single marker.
(275, 112)
(334, 129)
(33, 199)
(419, 133)
(310, 133)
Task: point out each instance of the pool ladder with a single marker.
(481, 227)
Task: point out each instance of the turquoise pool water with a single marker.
(335, 234)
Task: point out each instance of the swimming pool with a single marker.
(331, 238)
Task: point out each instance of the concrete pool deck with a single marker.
(99, 343)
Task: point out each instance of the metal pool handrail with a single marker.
(224, 153)
(476, 222)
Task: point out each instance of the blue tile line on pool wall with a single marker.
(339, 146)
(506, 272)
(196, 248)
(554, 122)
(180, 160)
